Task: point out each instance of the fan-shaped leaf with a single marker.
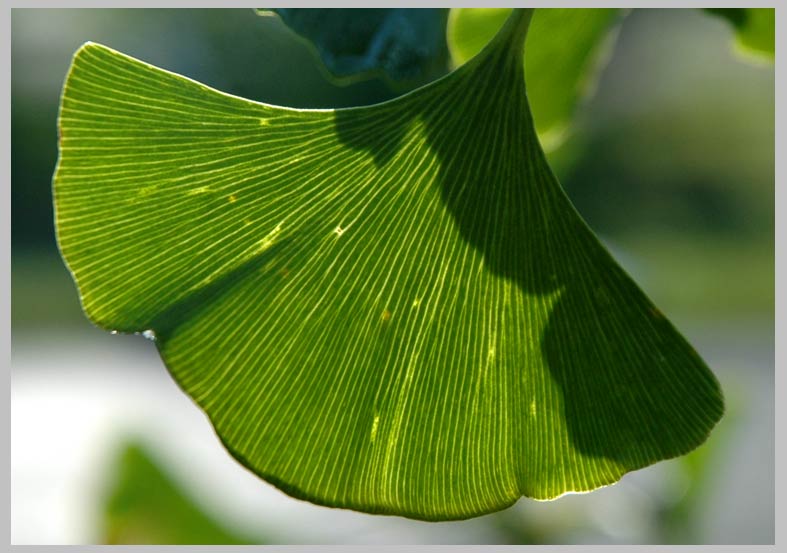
(392, 308)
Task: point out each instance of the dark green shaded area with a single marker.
(565, 51)
(633, 389)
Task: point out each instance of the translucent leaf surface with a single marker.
(392, 308)
(565, 49)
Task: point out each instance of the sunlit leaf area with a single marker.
(661, 135)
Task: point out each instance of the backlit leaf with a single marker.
(391, 308)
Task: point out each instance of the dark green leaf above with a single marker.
(405, 45)
(392, 308)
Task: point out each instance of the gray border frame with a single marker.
(5, 244)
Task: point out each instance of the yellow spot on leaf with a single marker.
(199, 190)
(269, 239)
(232, 198)
(492, 352)
(375, 424)
(386, 316)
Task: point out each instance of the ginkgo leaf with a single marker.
(406, 46)
(564, 52)
(392, 308)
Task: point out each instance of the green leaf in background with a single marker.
(755, 28)
(392, 308)
(145, 506)
(564, 52)
(405, 45)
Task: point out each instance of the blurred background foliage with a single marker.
(146, 505)
(671, 161)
